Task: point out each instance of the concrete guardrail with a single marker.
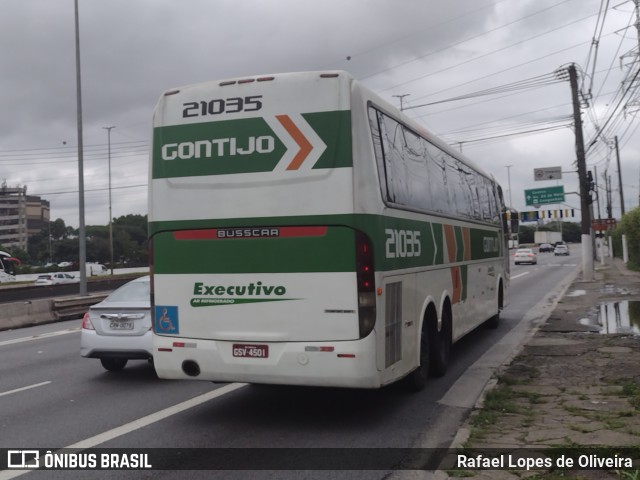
(35, 312)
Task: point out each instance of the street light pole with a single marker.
(509, 183)
(82, 240)
(108, 129)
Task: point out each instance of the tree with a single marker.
(129, 242)
(59, 230)
(629, 226)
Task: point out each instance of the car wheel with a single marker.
(113, 364)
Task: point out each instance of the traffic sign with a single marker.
(548, 173)
(603, 224)
(544, 196)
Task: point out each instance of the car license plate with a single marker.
(250, 351)
(121, 325)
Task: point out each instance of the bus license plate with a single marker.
(250, 351)
(121, 325)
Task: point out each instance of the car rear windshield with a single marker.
(131, 292)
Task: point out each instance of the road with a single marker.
(50, 397)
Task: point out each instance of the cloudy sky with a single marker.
(429, 50)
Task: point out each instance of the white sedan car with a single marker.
(118, 329)
(55, 279)
(525, 255)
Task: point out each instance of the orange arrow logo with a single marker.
(300, 139)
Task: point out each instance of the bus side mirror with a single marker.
(515, 224)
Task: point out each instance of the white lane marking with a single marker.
(156, 417)
(29, 387)
(137, 424)
(513, 277)
(38, 337)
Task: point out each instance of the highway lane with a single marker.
(83, 402)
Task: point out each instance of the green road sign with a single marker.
(544, 196)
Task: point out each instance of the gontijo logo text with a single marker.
(219, 147)
(227, 146)
(254, 292)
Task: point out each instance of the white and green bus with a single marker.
(306, 232)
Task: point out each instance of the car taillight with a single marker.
(86, 322)
(365, 274)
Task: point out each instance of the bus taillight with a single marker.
(365, 274)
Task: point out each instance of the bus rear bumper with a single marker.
(328, 364)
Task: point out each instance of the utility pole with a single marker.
(619, 178)
(401, 97)
(595, 177)
(585, 196)
(609, 194)
(509, 183)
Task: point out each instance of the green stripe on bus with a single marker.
(334, 129)
(393, 244)
(459, 244)
(334, 252)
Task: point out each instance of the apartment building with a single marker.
(21, 216)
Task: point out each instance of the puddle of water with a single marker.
(616, 317)
(576, 293)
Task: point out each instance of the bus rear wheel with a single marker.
(417, 380)
(494, 321)
(441, 345)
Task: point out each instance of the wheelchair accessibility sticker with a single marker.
(166, 320)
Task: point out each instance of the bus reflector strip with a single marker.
(249, 232)
(163, 349)
(319, 349)
(346, 355)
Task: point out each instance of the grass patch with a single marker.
(519, 374)
(631, 390)
(498, 401)
(501, 399)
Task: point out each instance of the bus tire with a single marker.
(494, 321)
(417, 380)
(441, 344)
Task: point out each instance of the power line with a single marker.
(526, 84)
(422, 77)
